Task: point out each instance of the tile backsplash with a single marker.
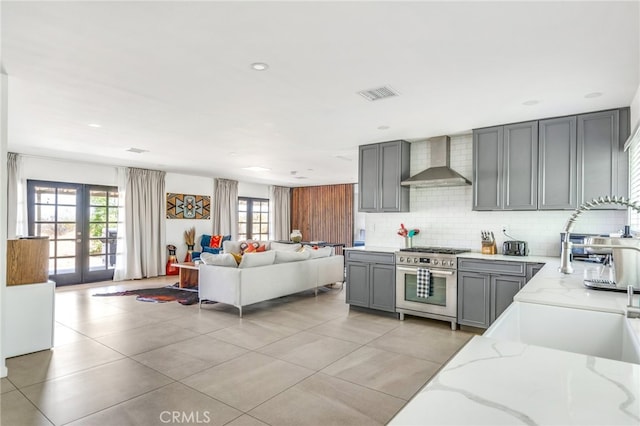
(445, 218)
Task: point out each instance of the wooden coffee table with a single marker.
(188, 274)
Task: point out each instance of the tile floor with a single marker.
(297, 360)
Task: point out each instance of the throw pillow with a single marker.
(218, 259)
(285, 246)
(249, 246)
(216, 241)
(251, 260)
(285, 256)
(237, 257)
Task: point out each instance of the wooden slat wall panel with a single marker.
(324, 213)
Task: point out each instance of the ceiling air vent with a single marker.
(137, 150)
(378, 93)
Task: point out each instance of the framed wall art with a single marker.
(187, 206)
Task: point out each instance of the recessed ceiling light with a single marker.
(96, 125)
(383, 127)
(531, 102)
(593, 95)
(259, 66)
(256, 169)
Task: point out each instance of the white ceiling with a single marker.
(174, 78)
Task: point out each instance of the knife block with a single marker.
(489, 248)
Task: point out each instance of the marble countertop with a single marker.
(498, 382)
(502, 382)
(374, 248)
(550, 287)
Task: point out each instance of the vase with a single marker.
(170, 269)
(408, 242)
(296, 236)
(187, 258)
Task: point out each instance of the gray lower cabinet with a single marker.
(505, 167)
(381, 168)
(371, 280)
(532, 269)
(486, 289)
(503, 288)
(474, 299)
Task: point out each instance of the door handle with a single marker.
(433, 271)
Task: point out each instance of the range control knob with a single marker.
(435, 261)
(415, 260)
(452, 263)
(401, 259)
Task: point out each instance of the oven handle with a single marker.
(433, 271)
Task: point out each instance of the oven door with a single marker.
(442, 299)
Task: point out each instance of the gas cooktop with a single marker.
(435, 250)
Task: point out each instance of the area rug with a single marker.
(169, 293)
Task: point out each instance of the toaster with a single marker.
(515, 248)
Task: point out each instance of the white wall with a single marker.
(445, 218)
(3, 211)
(186, 184)
(51, 169)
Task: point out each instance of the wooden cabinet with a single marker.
(371, 280)
(551, 164)
(381, 168)
(27, 261)
(486, 288)
(505, 167)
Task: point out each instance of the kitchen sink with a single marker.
(601, 334)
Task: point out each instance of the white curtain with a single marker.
(225, 208)
(144, 254)
(280, 212)
(16, 197)
(120, 270)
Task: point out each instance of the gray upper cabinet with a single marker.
(505, 167)
(551, 164)
(520, 182)
(602, 162)
(558, 165)
(487, 168)
(381, 168)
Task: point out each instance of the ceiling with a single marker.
(174, 78)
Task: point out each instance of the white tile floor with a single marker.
(297, 360)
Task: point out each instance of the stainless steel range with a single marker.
(441, 301)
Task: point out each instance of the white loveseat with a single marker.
(263, 276)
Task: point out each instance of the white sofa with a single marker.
(246, 284)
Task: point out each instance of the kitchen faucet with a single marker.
(567, 245)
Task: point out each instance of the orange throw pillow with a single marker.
(216, 241)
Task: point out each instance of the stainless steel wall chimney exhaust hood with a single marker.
(439, 174)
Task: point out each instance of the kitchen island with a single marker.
(500, 382)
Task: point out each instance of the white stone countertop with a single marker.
(374, 248)
(528, 259)
(550, 287)
(500, 382)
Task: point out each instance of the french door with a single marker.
(81, 222)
